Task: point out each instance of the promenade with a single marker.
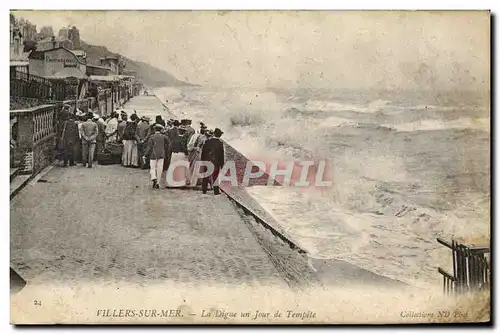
(106, 224)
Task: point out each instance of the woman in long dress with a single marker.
(194, 147)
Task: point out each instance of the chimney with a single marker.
(53, 39)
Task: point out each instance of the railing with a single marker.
(471, 270)
(34, 132)
(33, 86)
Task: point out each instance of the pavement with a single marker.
(79, 224)
(106, 224)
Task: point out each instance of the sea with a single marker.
(407, 167)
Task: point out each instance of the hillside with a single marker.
(145, 73)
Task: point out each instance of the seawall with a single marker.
(292, 260)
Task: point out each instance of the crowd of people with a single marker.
(87, 137)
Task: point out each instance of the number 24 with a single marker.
(38, 303)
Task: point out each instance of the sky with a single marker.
(299, 49)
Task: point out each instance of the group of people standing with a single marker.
(78, 135)
(179, 141)
(146, 145)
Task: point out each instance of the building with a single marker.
(73, 34)
(97, 70)
(28, 30)
(47, 63)
(54, 42)
(111, 62)
(16, 40)
(82, 55)
(46, 32)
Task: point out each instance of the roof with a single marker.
(69, 72)
(103, 78)
(36, 53)
(56, 38)
(121, 76)
(78, 52)
(97, 66)
(19, 63)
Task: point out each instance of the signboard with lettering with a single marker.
(61, 56)
(65, 60)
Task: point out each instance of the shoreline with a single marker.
(278, 244)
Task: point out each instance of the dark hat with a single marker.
(218, 132)
(176, 123)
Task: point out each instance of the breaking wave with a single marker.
(430, 124)
(382, 213)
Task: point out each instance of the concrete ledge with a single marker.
(18, 183)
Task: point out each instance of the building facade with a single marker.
(46, 32)
(97, 70)
(112, 63)
(49, 62)
(73, 34)
(54, 42)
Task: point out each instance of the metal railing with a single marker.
(32, 86)
(471, 269)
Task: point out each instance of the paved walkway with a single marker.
(106, 224)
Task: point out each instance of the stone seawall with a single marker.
(293, 262)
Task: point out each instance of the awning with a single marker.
(19, 63)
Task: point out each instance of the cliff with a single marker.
(149, 75)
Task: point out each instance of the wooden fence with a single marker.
(471, 269)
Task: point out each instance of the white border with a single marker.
(190, 4)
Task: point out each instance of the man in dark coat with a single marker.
(173, 134)
(69, 139)
(213, 151)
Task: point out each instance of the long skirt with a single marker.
(130, 156)
(178, 174)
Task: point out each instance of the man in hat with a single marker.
(173, 133)
(143, 131)
(189, 129)
(213, 151)
(157, 149)
(122, 123)
(89, 132)
(69, 138)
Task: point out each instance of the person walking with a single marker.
(157, 148)
(213, 151)
(89, 132)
